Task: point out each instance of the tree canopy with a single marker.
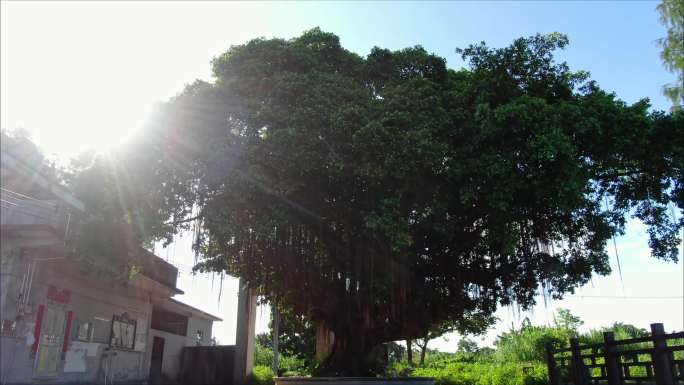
(380, 196)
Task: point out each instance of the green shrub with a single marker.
(460, 373)
(261, 375)
(288, 366)
(263, 356)
(528, 343)
(621, 331)
(398, 369)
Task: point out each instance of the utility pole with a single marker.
(276, 334)
(244, 336)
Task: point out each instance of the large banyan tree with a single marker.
(380, 196)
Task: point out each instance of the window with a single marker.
(8, 327)
(123, 332)
(102, 328)
(82, 331)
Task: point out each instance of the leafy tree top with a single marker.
(382, 195)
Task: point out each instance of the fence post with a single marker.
(611, 359)
(577, 363)
(551, 365)
(661, 358)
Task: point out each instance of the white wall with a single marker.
(195, 324)
(173, 346)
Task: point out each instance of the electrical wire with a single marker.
(17, 207)
(84, 296)
(20, 196)
(627, 297)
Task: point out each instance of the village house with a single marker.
(59, 325)
(176, 325)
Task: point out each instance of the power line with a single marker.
(628, 297)
(89, 297)
(23, 210)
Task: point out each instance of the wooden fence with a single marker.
(206, 365)
(657, 359)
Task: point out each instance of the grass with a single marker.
(453, 373)
(463, 373)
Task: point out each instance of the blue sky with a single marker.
(613, 40)
(85, 75)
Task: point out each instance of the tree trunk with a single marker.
(347, 358)
(324, 342)
(423, 349)
(355, 353)
(409, 352)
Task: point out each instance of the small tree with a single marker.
(409, 351)
(395, 352)
(466, 345)
(476, 324)
(527, 343)
(565, 319)
(422, 344)
(672, 16)
(296, 337)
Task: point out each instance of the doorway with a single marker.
(51, 340)
(156, 360)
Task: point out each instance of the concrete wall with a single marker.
(174, 343)
(15, 359)
(90, 301)
(195, 324)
